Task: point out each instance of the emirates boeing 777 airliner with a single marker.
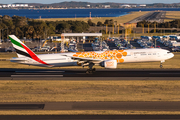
(108, 59)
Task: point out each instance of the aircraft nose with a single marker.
(172, 55)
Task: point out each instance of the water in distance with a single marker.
(72, 13)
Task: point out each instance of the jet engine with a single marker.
(110, 64)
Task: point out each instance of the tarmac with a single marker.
(125, 106)
(151, 17)
(80, 74)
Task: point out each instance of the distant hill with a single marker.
(164, 5)
(81, 4)
(74, 4)
(112, 4)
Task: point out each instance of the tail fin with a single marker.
(20, 47)
(23, 51)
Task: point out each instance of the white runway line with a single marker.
(36, 75)
(39, 71)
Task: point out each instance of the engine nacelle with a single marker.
(111, 64)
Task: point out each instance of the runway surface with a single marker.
(151, 17)
(90, 117)
(137, 106)
(80, 74)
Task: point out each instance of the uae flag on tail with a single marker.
(23, 51)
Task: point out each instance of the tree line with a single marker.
(36, 29)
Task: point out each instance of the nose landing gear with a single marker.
(161, 64)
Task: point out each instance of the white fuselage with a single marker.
(125, 56)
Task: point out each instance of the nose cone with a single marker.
(171, 55)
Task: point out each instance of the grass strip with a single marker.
(121, 19)
(62, 91)
(87, 112)
(173, 14)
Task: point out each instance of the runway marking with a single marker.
(38, 71)
(36, 75)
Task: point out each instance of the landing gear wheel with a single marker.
(89, 71)
(94, 70)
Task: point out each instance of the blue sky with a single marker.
(94, 1)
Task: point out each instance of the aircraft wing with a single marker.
(87, 59)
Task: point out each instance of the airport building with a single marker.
(126, 6)
(106, 6)
(142, 5)
(14, 5)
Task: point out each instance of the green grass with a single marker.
(61, 91)
(122, 19)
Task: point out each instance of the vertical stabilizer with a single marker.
(18, 46)
(23, 51)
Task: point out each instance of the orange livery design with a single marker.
(113, 55)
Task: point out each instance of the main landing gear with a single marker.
(91, 69)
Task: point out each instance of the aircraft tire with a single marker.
(94, 70)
